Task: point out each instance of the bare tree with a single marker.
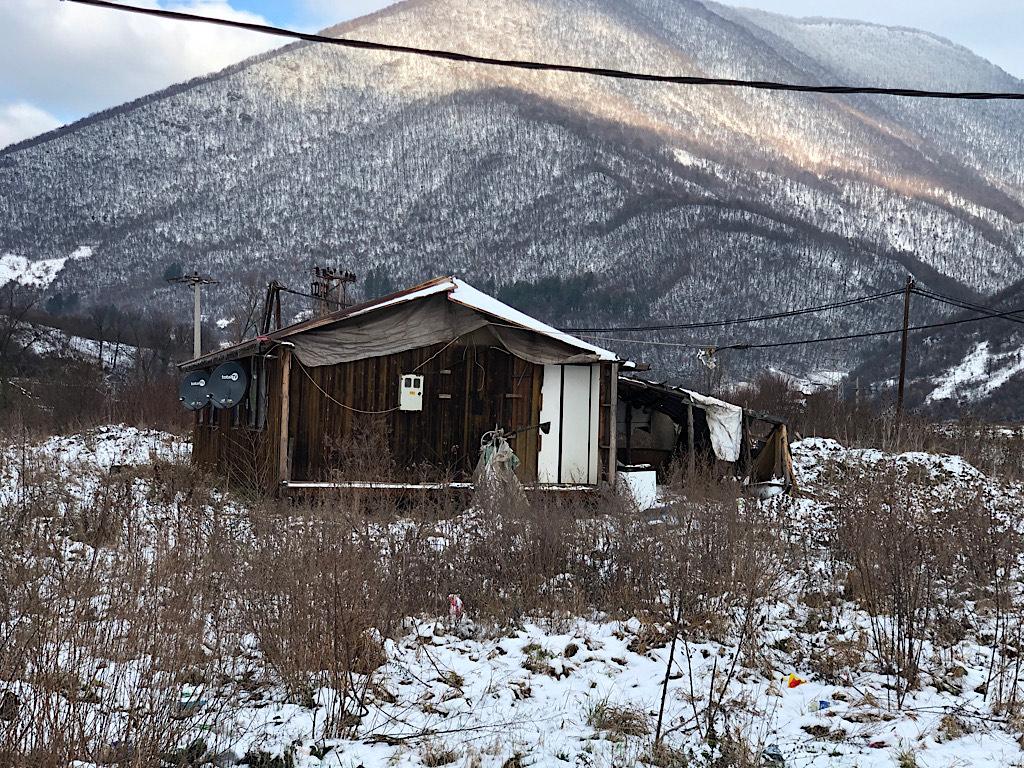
(16, 335)
(246, 301)
(101, 318)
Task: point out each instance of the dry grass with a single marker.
(120, 597)
(618, 720)
(435, 754)
(114, 601)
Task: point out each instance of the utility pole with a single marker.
(903, 349)
(197, 281)
(271, 308)
(325, 287)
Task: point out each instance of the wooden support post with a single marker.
(282, 455)
(748, 459)
(613, 423)
(787, 460)
(629, 433)
(691, 456)
(903, 348)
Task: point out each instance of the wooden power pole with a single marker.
(901, 388)
(271, 308)
(197, 281)
(330, 289)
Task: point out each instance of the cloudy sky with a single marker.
(60, 61)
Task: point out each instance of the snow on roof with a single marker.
(459, 292)
(429, 288)
(468, 296)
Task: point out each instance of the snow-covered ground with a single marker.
(117, 445)
(810, 383)
(585, 690)
(80, 461)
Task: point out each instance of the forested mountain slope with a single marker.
(622, 201)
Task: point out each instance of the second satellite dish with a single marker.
(227, 385)
(194, 392)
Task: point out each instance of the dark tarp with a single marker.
(774, 461)
(424, 323)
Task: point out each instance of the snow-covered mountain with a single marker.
(590, 200)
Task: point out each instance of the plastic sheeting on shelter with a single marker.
(725, 422)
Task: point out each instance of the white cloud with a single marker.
(72, 59)
(21, 121)
(324, 13)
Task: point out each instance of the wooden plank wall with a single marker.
(342, 415)
(241, 454)
(342, 422)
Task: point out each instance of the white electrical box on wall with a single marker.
(410, 388)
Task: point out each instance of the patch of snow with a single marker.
(116, 444)
(533, 693)
(78, 461)
(813, 454)
(37, 274)
(978, 375)
(811, 383)
(689, 160)
(43, 340)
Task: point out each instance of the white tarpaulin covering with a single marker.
(725, 421)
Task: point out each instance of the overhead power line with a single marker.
(293, 292)
(543, 66)
(739, 320)
(964, 304)
(869, 334)
(1008, 315)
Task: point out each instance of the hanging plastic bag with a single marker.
(495, 474)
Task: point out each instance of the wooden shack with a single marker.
(398, 392)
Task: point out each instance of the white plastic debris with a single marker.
(455, 608)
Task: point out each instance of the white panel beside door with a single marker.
(575, 432)
(570, 400)
(550, 411)
(594, 464)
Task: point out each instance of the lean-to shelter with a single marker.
(665, 426)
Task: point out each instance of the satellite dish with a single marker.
(194, 391)
(227, 385)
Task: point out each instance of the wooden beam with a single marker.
(691, 455)
(552, 488)
(613, 422)
(745, 441)
(282, 448)
(787, 459)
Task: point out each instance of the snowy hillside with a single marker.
(39, 273)
(975, 367)
(402, 168)
(177, 619)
